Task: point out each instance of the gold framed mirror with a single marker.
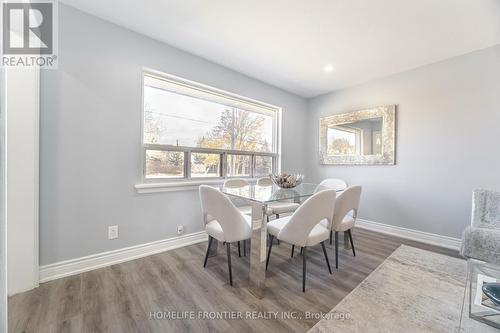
(364, 137)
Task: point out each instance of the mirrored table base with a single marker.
(258, 244)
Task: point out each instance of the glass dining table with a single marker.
(259, 197)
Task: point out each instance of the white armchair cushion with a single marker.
(481, 244)
(486, 209)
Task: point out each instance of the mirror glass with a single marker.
(363, 137)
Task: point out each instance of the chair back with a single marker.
(264, 181)
(236, 182)
(218, 206)
(486, 209)
(346, 202)
(315, 209)
(334, 184)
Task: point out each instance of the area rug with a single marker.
(412, 291)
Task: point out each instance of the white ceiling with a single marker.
(287, 43)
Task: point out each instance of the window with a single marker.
(164, 164)
(196, 132)
(205, 165)
(263, 166)
(343, 140)
(239, 165)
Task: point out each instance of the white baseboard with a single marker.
(416, 235)
(84, 264)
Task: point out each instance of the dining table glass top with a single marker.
(265, 194)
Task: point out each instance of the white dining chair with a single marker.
(278, 207)
(344, 217)
(228, 224)
(334, 184)
(264, 181)
(247, 210)
(304, 229)
(236, 183)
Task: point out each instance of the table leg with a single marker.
(257, 275)
(347, 243)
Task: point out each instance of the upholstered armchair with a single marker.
(481, 240)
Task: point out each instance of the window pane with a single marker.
(175, 119)
(184, 116)
(253, 131)
(263, 165)
(238, 165)
(164, 164)
(205, 165)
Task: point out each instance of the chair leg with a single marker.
(336, 249)
(269, 251)
(244, 248)
(352, 244)
(228, 247)
(239, 249)
(293, 249)
(304, 270)
(301, 250)
(326, 257)
(208, 250)
(331, 236)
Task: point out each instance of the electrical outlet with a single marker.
(180, 229)
(112, 232)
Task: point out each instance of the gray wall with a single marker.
(91, 138)
(448, 139)
(448, 118)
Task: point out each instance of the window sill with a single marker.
(191, 185)
(175, 186)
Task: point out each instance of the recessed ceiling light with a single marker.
(328, 68)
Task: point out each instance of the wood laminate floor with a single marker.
(125, 297)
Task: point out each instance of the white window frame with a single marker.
(149, 185)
